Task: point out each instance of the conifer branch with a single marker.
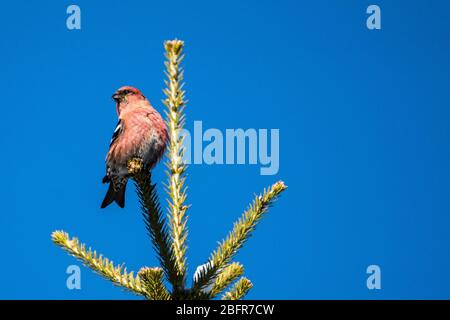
(226, 277)
(152, 280)
(175, 102)
(98, 263)
(242, 230)
(239, 290)
(218, 272)
(154, 219)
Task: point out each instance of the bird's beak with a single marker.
(116, 97)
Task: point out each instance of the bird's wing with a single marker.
(120, 128)
(117, 132)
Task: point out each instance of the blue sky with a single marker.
(364, 140)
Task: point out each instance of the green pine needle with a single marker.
(242, 230)
(239, 290)
(226, 277)
(152, 280)
(98, 263)
(176, 189)
(156, 225)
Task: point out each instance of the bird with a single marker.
(140, 133)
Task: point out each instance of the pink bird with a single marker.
(140, 133)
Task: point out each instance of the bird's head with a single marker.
(126, 94)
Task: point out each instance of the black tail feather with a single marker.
(117, 196)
